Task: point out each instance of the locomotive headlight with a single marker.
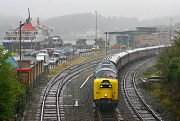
(110, 86)
(101, 86)
(105, 95)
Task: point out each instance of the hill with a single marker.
(87, 21)
(7, 23)
(64, 25)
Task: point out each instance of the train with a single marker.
(106, 77)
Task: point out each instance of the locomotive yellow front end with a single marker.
(106, 89)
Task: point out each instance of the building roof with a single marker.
(24, 69)
(122, 32)
(12, 61)
(141, 29)
(147, 29)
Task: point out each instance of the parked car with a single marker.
(53, 61)
(34, 53)
(44, 57)
(62, 56)
(27, 53)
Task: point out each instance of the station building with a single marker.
(141, 37)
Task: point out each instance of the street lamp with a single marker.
(96, 24)
(170, 29)
(20, 62)
(106, 43)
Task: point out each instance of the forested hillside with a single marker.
(86, 21)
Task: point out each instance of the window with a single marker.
(105, 74)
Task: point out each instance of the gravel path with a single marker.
(30, 113)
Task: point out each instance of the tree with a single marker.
(169, 62)
(10, 87)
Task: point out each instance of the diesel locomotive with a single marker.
(106, 85)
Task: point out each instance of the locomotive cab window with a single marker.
(105, 74)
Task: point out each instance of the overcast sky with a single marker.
(142, 9)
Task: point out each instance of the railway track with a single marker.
(136, 103)
(104, 115)
(49, 107)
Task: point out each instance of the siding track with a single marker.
(49, 108)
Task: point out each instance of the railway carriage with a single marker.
(123, 59)
(152, 51)
(141, 53)
(132, 54)
(115, 59)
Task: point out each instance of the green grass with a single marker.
(59, 68)
(150, 72)
(164, 95)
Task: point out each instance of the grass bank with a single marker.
(59, 68)
(165, 94)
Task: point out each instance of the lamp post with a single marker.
(170, 29)
(96, 24)
(20, 53)
(106, 43)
